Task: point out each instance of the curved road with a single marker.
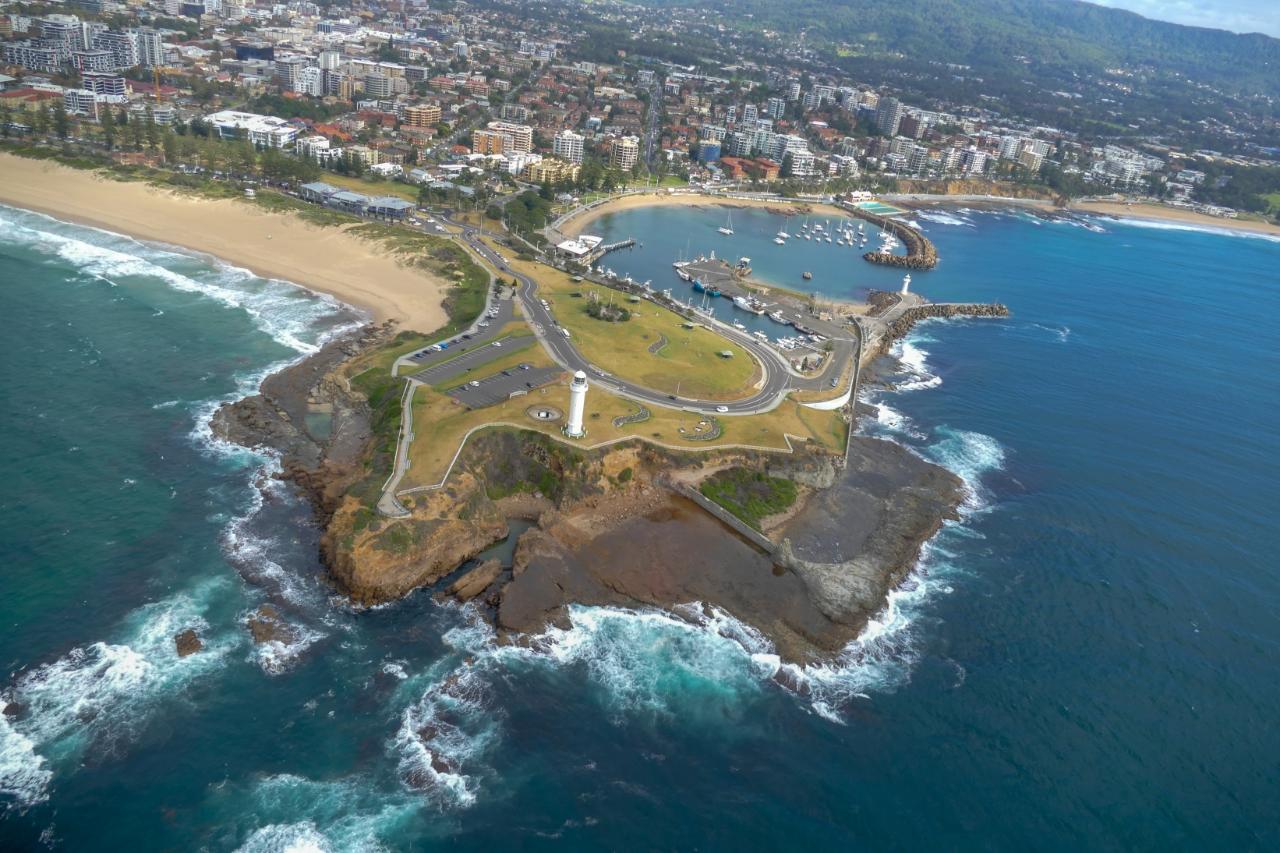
(778, 377)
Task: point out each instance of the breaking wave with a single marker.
(341, 816)
(291, 315)
(1221, 231)
(943, 218)
(103, 694)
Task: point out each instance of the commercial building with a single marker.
(258, 129)
(122, 46)
(568, 146)
(80, 102)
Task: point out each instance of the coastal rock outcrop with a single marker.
(474, 582)
(188, 642)
(267, 625)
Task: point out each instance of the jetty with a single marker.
(921, 253)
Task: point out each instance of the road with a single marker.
(777, 382)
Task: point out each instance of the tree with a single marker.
(136, 133)
(108, 121)
(151, 129)
(6, 118)
(170, 143)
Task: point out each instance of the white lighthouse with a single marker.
(906, 282)
(577, 403)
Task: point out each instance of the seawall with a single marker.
(921, 253)
(906, 321)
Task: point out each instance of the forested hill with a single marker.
(990, 36)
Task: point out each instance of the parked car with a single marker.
(722, 409)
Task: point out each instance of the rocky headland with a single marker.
(615, 526)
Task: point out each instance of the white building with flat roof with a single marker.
(258, 129)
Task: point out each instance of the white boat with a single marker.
(737, 325)
(684, 276)
(760, 336)
(776, 316)
(808, 236)
(840, 242)
(779, 241)
(727, 228)
(742, 302)
(828, 238)
(783, 235)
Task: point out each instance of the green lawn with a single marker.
(1273, 199)
(689, 364)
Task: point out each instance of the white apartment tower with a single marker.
(567, 146)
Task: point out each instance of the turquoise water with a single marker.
(1084, 660)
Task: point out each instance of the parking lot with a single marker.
(481, 334)
(471, 360)
(500, 386)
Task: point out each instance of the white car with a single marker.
(722, 409)
(475, 383)
(497, 343)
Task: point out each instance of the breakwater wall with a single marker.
(739, 526)
(903, 324)
(921, 253)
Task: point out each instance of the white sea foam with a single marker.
(285, 311)
(913, 358)
(943, 218)
(104, 693)
(24, 774)
(969, 455)
(340, 816)
(1221, 231)
(443, 735)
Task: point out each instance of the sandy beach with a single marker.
(1155, 212)
(272, 245)
(579, 223)
(1164, 213)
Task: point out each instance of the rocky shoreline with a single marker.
(600, 536)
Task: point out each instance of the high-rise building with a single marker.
(377, 85)
(122, 46)
(150, 47)
(65, 30)
(776, 108)
(625, 153)
(288, 69)
(310, 81)
(1009, 147)
(749, 113)
(501, 137)
(889, 116)
(568, 146)
(329, 60)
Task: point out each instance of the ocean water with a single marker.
(1085, 659)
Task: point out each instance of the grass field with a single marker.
(440, 423)
(689, 364)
